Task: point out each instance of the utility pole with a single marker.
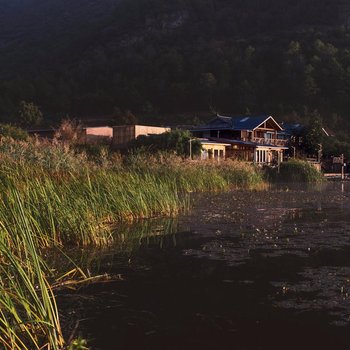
(342, 167)
(278, 162)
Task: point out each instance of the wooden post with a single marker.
(278, 162)
(342, 167)
(319, 153)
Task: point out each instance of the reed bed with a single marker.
(82, 208)
(54, 198)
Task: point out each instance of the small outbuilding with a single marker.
(97, 135)
(124, 134)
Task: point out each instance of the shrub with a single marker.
(7, 130)
(296, 171)
(177, 141)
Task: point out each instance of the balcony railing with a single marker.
(273, 142)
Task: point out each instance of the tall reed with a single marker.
(28, 313)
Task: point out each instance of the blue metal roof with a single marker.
(290, 128)
(248, 122)
(220, 122)
(234, 123)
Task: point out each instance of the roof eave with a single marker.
(267, 118)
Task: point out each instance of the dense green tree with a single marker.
(121, 117)
(313, 135)
(29, 114)
(178, 141)
(333, 147)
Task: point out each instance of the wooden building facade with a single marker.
(255, 139)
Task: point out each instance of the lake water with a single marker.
(242, 270)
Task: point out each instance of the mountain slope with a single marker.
(86, 57)
(24, 21)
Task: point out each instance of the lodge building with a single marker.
(258, 139)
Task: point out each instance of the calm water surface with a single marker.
(243, 270)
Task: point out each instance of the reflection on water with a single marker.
(144, 233)
(243, 270)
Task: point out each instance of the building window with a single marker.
(268, 136)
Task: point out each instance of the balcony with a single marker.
(273, 142)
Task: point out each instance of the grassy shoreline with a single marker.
(53, 198)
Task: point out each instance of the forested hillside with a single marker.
(161, 57)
